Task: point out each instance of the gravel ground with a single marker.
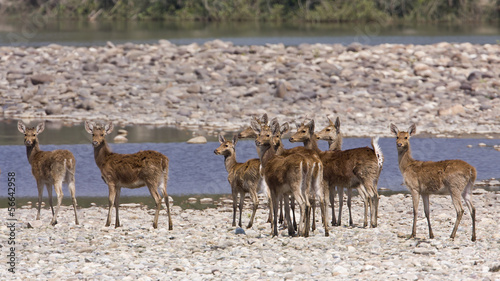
(203, 245)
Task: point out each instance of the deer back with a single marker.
(128, 169)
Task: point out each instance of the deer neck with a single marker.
(230, 161)
(101, 153)
(312, 144)
(32, 150)
(266, 153)
(335, 144)
(405, 158)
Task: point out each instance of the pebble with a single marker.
(203, 245)
(219, 86)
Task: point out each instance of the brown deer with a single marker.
(249, 133)
(144, 168)
(332, 134)
(455, 177)
(289, 175)
(50, 168)
(354, 168)
(243, 177)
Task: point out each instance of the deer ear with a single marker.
(394, 129)
(337, 124)
(264, 119)
(40, 127)
(221, 139)
(284, 128)
(108, 128)
(89, 126)
(21, 127)
(275, 127)
(254, 124)
(235, 139)
(311, 126)
(412, 130)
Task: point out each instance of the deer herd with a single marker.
(303, 175)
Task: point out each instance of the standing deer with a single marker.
(50, 168)
(424, 178)
(250, 133)
(144, 168)
(354, 168)
(243, 177)
(289, 175)
(332, 134)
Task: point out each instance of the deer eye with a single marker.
(328, 130)
(303, 131)
(102, 135)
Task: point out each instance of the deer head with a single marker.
(330, 132)
(304, 132)
(98, 132)
(30, 134)
(403, 138)
(249, 132)
(227, 147)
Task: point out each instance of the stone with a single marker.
(453, 110)
(197, 140)
(37, 79)
(194, 89)
(281, 90)
(206, 201)
(239, 230)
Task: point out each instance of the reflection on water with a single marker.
(87, 33)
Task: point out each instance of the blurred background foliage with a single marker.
(261, 10)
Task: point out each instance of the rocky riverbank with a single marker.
(446, 88)
(204, 246)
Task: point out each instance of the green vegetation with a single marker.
(261, 10)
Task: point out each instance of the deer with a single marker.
(354, 168)
(455, 177)
(294, 174)
(248, 132)
(243, 177)
(332, 134)
(144, 168)
(49, 168)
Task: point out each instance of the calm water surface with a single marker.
(195, 169)
(37, 32)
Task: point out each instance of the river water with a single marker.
(37, 32)
(195, 169)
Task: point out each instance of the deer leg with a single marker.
(117, 205)
(415, 198)
(286, 205)
(425, 201)
(255, 201)
(313, 211)
(235, 198)
(349, 205)
(341, 203)
(59, 193)
(40, 193)
(49, 191)
(366, 202)
(292, 205)
(71, 187)
(111, 202)
(167, 201)
(240, 207)
(274, 207)
(333, 192)
(466, 195)
(455, 198)
(156, 196)
(281, 210)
